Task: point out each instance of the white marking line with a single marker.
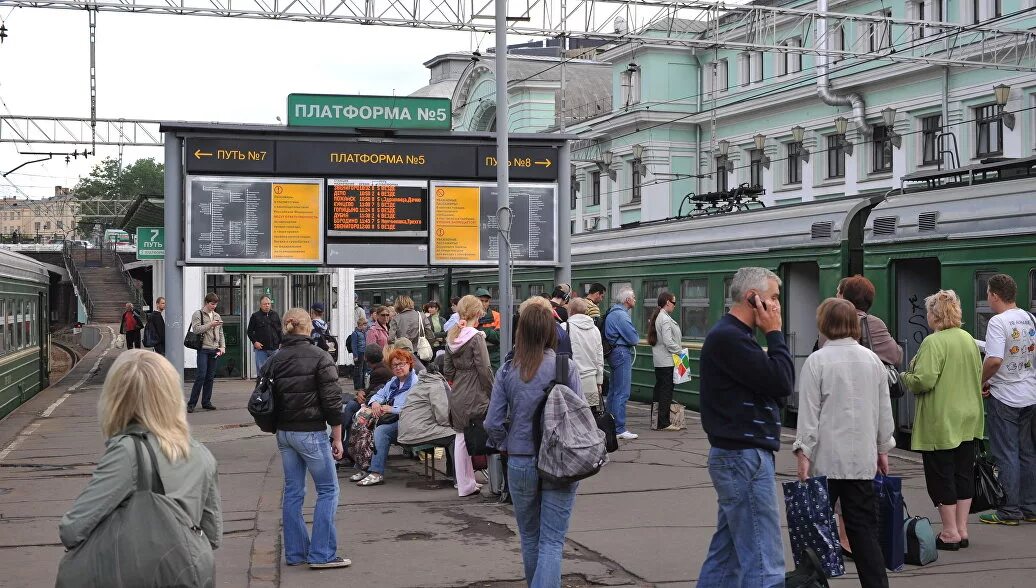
(29, 430)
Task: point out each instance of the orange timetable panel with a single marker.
(456, 223)
(296, 221)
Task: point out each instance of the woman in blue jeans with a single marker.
(542, 510)
(307, 399)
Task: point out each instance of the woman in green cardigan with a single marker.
(946, 378)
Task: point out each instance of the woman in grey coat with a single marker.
(142, 396)
(408, 323)
(664, 337)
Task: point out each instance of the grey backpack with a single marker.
(571, 445)
(148, 541)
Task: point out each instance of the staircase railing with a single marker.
(67, 251)
(131, 283)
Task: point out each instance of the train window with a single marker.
(3, 326)
(418, 297)
(728, 302)
(694, 308)
(536, 290)
(652, 289)
(516, 299)
(1032, 290)
(18, 317)
(983, 312)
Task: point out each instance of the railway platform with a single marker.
(645, 520)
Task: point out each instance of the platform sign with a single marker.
(254, 220)
(370, 208)
(464, 224)
(150, 243)
(229, 155)
(378, 112)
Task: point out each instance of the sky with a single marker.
(169, 67)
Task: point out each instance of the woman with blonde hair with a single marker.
(408, 323)
(466, 365)
(946, 377)
(306, 400)
(142, 397)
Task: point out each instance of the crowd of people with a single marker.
(844, 432)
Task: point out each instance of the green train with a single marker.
(949, 229)
(24, 330)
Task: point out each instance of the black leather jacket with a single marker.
(305, 386)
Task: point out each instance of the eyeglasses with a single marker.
(400, 365)
(383, 314)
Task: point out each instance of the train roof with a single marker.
(22, 267)
(983, 210)
(810, 224)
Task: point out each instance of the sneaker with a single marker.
(335, 562)
(208, 407)
(627, 435)
(994, 519)
(190, 408)
(1030, 518)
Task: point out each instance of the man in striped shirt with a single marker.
(595, 295)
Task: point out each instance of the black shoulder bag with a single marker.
(194, 340)
(261, 402)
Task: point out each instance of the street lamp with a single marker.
(841, 126)
(888, 116)
(1002, 93)
(724, 147)
(797, 134)
(760, 144)
(605, 164)
(638, 157)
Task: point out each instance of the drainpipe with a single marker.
(697, 134)
(824, 83)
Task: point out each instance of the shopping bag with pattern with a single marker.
(681, 367)
(811, 524)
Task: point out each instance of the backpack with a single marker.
(261, 403)
(809, 574)
(323, 339)
(571, 446)
(150, 336)
(606, 346)
(920, 541)
(349, 343)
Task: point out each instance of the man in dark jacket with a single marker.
(130, 325)
(743, 389)
(264, 331)
(156, 326)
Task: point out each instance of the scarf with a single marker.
(466, 333)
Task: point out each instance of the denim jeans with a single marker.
(621, 362)
(204, 377)
(543, 515)
(261, 357)
(301, 451)
(746, 549)
(1011, 442)
(384, 437)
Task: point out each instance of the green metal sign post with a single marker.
(150, 243)
(377, 112)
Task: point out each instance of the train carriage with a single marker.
(24, 330)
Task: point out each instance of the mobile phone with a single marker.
(752, 300)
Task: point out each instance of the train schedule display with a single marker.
(465, 231)
(254, 220)
(370, 208)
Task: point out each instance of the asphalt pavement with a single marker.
(645, 520)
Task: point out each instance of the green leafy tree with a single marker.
(103, 194)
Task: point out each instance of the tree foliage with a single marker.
(107, 183)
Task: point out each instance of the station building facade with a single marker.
(665, 121)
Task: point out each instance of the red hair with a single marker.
(400, 354)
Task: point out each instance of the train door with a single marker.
(231, 308)
(914, 280)
(276, 287)
(801, 297)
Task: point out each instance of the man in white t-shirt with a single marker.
(1009, 384)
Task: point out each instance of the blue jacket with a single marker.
(742, 387)
(511, 396)
(618, 327)
(395, 391)
(359, 344)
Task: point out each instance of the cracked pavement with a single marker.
(645, 520)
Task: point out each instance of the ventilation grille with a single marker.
(821, 230)
(926, 221)
(885, 225)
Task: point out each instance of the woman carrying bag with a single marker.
(664, 337)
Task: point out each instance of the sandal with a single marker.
(357, 476)
(372, 480)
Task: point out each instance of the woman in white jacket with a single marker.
(587, 351)
(664, 337)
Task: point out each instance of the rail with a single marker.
(67, 254)
(135, 290)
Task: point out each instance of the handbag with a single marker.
(809, 574)
(889, 493)
(361, 444)
(476, 439)
(676, 415)
(606, 422)
(423, 348)
(193, 340)
(811, 524)
(920, 540)
(896, 387)
(148, 540)
(261, 402)
(681, 367)
(989, 492)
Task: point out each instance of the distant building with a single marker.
(47, 218)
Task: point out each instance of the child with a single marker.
(358, 344)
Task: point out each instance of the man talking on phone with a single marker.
(207, 323)
(743, 389)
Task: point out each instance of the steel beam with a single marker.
(79, 131)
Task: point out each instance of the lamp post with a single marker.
(760, 144)
(1002, 93)
(888, 116)
(841, 126)
(638, 156)
(798, 134)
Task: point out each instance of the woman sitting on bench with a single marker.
(385, 406)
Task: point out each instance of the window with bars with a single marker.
(927, 11)
(881, 149)
(794, 163)
(835, 156)
(983, 10)
(930, 127)
(983, 311)
(694, 308)
(789, 62)
(722, 164)
(755, 167)
(595, 188)
(635, 181)
(722, 75)
(989, 131)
